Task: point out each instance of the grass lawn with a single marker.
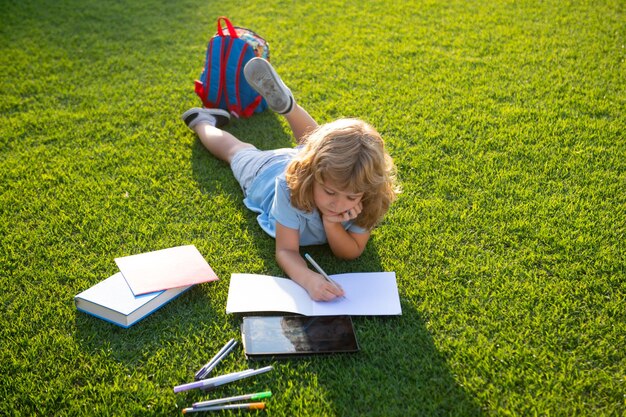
(506, 121)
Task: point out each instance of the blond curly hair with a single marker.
(351, 154)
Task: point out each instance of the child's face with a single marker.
(330, 200)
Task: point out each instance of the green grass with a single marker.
(506, 121)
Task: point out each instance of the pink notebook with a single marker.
(163, 269)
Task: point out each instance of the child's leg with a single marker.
(300, 122)
(263, 78)
(221, 144)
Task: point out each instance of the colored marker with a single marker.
(224, 379)
(238, 376)
(211, 383)
(321, 271)
(256, 396)
(246, 406)
(206, 369)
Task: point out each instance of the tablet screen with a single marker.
(265, 336)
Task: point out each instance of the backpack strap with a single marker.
(236, 87)
(211, 84)
(231, 29)
(248, 111)
(234, 67)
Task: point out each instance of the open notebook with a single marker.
(367, 294)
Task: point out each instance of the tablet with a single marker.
(289, 336)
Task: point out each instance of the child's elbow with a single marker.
(348, 256)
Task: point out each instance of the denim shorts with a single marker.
(248, 163)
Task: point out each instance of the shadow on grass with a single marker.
(175, 320)
(398, 371)
(179, 320)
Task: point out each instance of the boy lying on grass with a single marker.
(333, 187)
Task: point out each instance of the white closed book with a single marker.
(112, 300)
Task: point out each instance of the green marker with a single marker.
(237, 406)
(257, 396)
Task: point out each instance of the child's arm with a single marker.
(345, 244)
(289, 259)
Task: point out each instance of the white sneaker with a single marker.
(214, 117)
(262, 77)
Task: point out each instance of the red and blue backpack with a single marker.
(222, 83)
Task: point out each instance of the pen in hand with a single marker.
(321, 271)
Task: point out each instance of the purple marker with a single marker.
(222, 379)
(207, 382)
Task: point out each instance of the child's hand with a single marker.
(349, 214)
(322, 290)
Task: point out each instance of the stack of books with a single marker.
(144, 283)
